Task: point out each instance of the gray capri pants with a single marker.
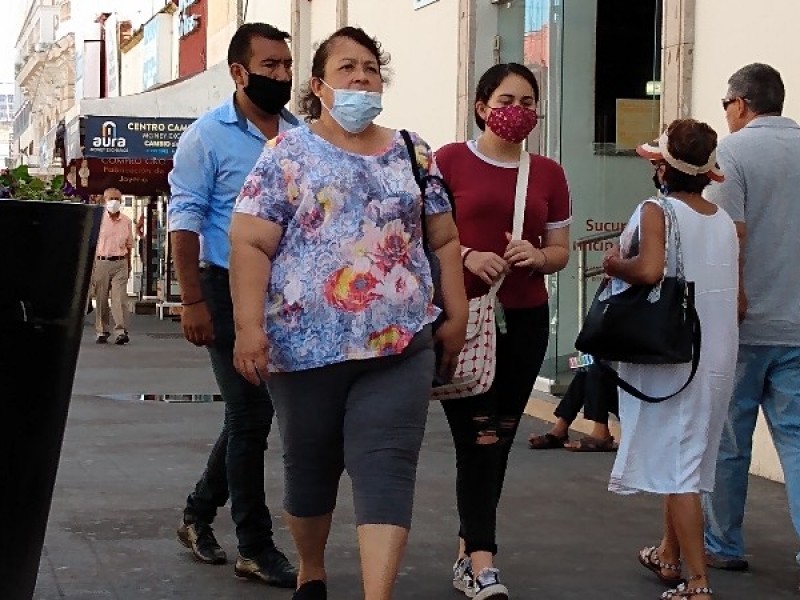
(366, 416)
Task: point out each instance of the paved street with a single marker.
(127, 465)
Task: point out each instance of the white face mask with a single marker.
(354, 110)
(112, 206)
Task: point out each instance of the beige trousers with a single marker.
(111, 277)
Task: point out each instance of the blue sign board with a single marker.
(132, 137)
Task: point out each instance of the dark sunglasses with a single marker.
(726, 102)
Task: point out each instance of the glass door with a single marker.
(598, 63)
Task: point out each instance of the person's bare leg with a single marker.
(382, 548)
(669, 551)
(462, 548)
(481, 560)
(686, 516)
(560, 428)
(310, 536)
(600, 431)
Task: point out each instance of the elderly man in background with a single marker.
(112, 267)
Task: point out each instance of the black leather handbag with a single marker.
(633, 327)
(652, 325)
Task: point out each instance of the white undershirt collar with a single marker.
(473, 146)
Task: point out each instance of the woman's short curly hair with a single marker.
(693, 142)
(310, 104)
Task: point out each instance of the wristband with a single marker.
(465, 254)
(193, 303)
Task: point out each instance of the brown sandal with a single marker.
(592, 444)
(548, 441)
(684, 591)
(649, 559)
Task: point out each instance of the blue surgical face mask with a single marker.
(354, 110)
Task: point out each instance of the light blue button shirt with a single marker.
(214, 157)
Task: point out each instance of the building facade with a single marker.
(7, 100)
(44, 70)
(60, 60)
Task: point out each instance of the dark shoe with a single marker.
(592, 444)
(102, 339)
(548, 441)
(199, 538)
(122, 338)
(311, 590)
(726, 564)
(272, 567)
(488, 586)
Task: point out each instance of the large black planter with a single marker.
(46, 253)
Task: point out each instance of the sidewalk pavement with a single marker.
(127, 466)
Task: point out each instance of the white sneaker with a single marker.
(462, 577)
(487, 586)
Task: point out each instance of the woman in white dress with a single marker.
(670, 448)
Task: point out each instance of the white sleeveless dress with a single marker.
(671, 447)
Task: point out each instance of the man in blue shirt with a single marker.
(213, 158)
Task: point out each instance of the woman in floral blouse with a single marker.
(333, 305)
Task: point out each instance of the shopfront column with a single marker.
(678, 53)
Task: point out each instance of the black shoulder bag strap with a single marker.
(422, 182)
(633, 391)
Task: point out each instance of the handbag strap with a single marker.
(670, 225)
(637, 393)
(520, 197)
(422, 182)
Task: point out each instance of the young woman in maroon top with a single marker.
(482, 175)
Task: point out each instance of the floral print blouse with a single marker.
(349, 279)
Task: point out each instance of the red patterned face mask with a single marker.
(512, 123)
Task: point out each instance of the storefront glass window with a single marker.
(599, 67)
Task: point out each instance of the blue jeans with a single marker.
(766, 377)
(236, 462)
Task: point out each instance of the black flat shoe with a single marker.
(311, 590)
(270, 567)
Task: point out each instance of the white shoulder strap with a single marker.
(520, 198)
(521, 194)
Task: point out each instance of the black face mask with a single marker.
(270, 95)
(656, 182)
(661, 187)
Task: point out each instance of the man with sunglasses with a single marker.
(761, 192)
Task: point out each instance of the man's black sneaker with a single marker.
(271, 567)
(199, 538)
(102, 338)
(122, 338)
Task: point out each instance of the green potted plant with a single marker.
(19, 184)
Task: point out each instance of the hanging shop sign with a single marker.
(132, 176)
(126, 137)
